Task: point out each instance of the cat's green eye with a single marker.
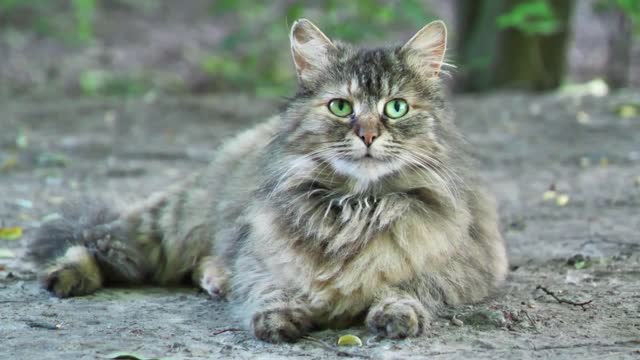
(340, 107)
(396, 108)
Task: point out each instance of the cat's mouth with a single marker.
(367, 159)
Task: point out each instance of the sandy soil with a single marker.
(525, 146)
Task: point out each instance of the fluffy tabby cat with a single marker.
(356, 202)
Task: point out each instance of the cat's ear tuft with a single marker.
(425, 51)
(310, 48)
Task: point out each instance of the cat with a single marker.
(357, 203)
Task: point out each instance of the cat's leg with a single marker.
(406, 309)
(397, 314)
(271, 312)
(212, 277)
(160, 241)
(85, 248)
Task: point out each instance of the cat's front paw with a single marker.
(69, 280)
(397, 318)
(285, 324)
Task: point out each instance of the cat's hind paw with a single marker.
(212, 277)
(75, 275)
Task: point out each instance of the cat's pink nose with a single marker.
(367, 129)
(368, 137)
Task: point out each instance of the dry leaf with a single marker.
(9, 163)
(628, 111)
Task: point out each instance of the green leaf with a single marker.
(627, 111)
(532, 17)
(349, 340)
(84, 13)
(10, 233)
(122, 355)
(294, 11)
(581, 264)
(92, 81)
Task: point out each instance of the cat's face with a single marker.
(367, 113)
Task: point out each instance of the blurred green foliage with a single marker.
(83, 14)
(631, 8)
(51, 17)
(536, 17)
(533, 17)
(250, 56)
(29, 11)
(101, 82)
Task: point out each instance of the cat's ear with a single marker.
(310, 48)
(426, 49)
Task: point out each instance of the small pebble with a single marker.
(456, 322)
(585, 162)
(582, 117)
(486, 317)
(515, 316)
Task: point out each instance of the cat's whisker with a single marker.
(443, 184)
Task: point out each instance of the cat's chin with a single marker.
(365, 170)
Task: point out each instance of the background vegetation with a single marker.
(527, 40)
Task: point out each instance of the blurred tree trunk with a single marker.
(516, 60)
(620, 31)
(476, 43)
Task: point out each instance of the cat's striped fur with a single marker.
(299, 221)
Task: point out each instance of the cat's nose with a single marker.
(368, 138)
(367, 134)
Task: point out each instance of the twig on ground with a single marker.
(222, 331)
(533, 323)
(338, 352)
(43, 325)
(564, 301)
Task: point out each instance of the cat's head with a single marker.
(367, 114)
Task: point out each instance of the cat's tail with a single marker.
(86, 245)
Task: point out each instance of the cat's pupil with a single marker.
(396, 105)
(341, 105)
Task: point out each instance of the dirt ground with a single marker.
(587, 249)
